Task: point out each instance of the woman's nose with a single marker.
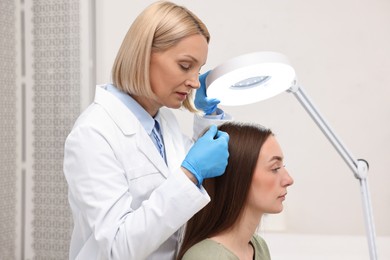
(287, 180)
(193, 81)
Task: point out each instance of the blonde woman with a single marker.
(133, 178)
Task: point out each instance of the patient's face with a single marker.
(270, 179)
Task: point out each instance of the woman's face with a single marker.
(270, 179)
(174, 73)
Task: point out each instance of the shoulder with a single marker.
(94, 118)
(261, 248)
(208, 250)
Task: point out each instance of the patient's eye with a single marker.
(277, 167)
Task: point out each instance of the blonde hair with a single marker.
(159, 27)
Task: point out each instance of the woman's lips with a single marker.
(182, 95)
(283, 197)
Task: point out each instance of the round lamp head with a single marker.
(250, 78)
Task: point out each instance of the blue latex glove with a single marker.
(209, 155)
(202, 102)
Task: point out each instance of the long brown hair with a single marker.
(228, 192)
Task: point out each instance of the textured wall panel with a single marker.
(56, 73)
(7, 129)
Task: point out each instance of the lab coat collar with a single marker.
(140, 113)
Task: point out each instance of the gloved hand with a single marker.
(208, 156)
(202, 102)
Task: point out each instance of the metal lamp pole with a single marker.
(358, 166)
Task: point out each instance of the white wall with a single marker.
(341, 55)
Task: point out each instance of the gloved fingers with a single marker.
(222, 135)
(212, 101)
(212, 105)
(202, 102)
(202, 80)
(210, 134)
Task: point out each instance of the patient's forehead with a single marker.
(270, 151)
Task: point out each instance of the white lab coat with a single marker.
(126, 202)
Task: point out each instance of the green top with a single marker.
(211, 250)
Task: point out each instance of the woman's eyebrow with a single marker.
(277, 158)
(190, 57)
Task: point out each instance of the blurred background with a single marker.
(53, 53)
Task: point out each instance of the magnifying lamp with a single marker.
(258, 76)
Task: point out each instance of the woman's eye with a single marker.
(276, 169)
(185, 67)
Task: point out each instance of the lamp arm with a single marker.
(353, 164)
(359, 167)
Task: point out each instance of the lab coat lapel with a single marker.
(148, 148)
(173, 150)
(130, 125)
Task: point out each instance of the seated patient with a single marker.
(254, 183)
